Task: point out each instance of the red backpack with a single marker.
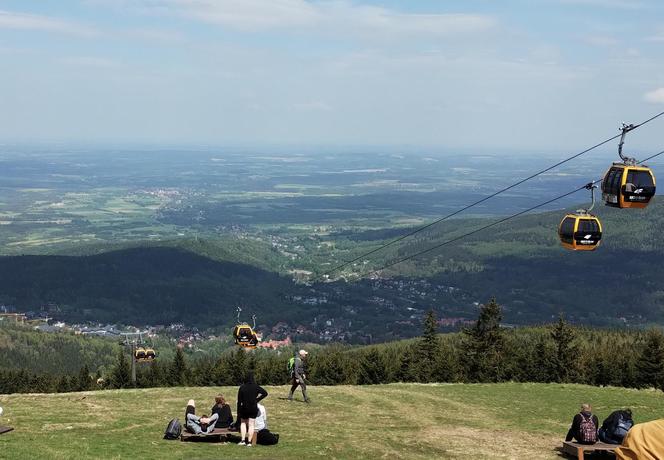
(587, 430)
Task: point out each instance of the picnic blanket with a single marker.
(644, 441)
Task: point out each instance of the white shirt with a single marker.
(261, 420)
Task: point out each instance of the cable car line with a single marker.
(488, 197)
(500, 221)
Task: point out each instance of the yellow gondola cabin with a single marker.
(628, 186)
(580, 232)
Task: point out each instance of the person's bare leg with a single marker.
(243, 430)
(250, 434)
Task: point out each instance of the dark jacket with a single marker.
(575, 430)
(608, 428)
(225, 415)
(248, 397)
(298, 369)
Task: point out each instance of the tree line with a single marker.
(483, 353)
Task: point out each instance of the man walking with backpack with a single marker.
(298, 376)
(584, 426)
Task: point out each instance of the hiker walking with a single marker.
(297, 375)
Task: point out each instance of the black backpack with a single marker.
(173, 430)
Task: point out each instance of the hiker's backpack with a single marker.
(587, 430)
(173, 430)
(624, 424)
(291, 365)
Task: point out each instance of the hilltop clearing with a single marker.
(525, 421)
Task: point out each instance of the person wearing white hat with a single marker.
(298, 376)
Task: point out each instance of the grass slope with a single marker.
(386, 421)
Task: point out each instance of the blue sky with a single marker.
(509, 74)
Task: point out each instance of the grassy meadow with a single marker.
(521, 421)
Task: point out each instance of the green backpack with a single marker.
(291, 365)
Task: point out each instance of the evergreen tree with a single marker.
(429, 348)
(157, 375)
(221, 373)
(407, 371)
(84, 381)
(202, 372)
(543, 362)
(330, 367)
(239, 366)
(121, 375)
(566, 350)
(64, 384)
(650, 364)
(484, 344)
(372, 368)
(178, 373)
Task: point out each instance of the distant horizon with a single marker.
(341, 149)
(551, 75)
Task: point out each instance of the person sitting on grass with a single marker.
(248, 397)
(584, 426)
(263, 435)
(223, 412)
(195, 424)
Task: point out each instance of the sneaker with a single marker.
(248, 444)
(241, 443)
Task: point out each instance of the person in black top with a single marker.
(576, 431)
(615, 426)
(248, 396)
(223, 412)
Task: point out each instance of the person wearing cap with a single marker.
(298, 376)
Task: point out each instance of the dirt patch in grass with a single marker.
(69, 426)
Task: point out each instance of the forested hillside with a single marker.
(200, 282)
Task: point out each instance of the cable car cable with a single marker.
(500, 221)
(488, 197)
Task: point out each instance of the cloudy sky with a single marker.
(508, 74)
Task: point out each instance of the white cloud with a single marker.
(619, 4)
(21, 21)
(371, 20)
(342, 16)
(658, 36)
(655, 96)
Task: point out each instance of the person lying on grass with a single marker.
(196, 424)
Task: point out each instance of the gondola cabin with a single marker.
(628, 186)
(150, 354)
(580, 232)
(245, 336)
(139, 353)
